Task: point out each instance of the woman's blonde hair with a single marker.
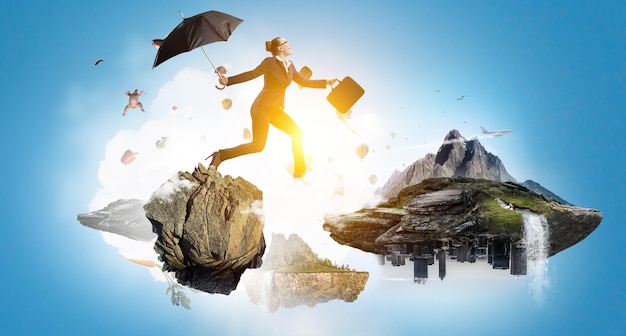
(272, 46)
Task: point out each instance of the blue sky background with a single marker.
(554, 72)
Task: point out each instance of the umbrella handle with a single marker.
(220, 76)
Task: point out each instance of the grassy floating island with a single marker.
(488, 198)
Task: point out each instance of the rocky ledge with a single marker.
(123, 217)
(209, 227)
(460, 207)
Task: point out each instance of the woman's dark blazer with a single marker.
(276, 80)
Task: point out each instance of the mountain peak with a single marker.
(453, 135)
(456, 157)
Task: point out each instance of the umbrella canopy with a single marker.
(196, 31)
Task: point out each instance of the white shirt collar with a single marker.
(286, 64)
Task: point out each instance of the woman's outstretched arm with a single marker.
(245, 76)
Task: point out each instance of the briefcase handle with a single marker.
(337, 82)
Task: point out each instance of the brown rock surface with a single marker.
(455, 208)
(209, 227)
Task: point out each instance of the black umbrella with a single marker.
(194, 32)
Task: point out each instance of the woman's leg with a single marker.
(283, 122)
(260, 125)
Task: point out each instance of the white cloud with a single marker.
(198, 125)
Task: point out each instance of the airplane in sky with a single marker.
(495, 133)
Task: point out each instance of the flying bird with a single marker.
(98, 61)
(460, 98)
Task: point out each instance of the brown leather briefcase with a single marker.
(345, 94)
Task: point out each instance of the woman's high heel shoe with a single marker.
(215, 162)
(299, 170)
(302, 176)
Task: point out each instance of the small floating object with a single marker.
(128, 157)
(220, 70)
(246, 134)
(305, 72)
(157, 43)
(161, 142)
(361, 150)
(227, 103)
(147, 263)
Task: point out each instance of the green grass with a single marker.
(314, 266)
(496, 218)
(530, 202)
(500, 220)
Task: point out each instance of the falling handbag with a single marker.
(345, 94)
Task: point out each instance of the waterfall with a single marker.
(536, 239)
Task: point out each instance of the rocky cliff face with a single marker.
(459, 208)
(124, 217)
(209, 227)
(457, 157)
(293, 275)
